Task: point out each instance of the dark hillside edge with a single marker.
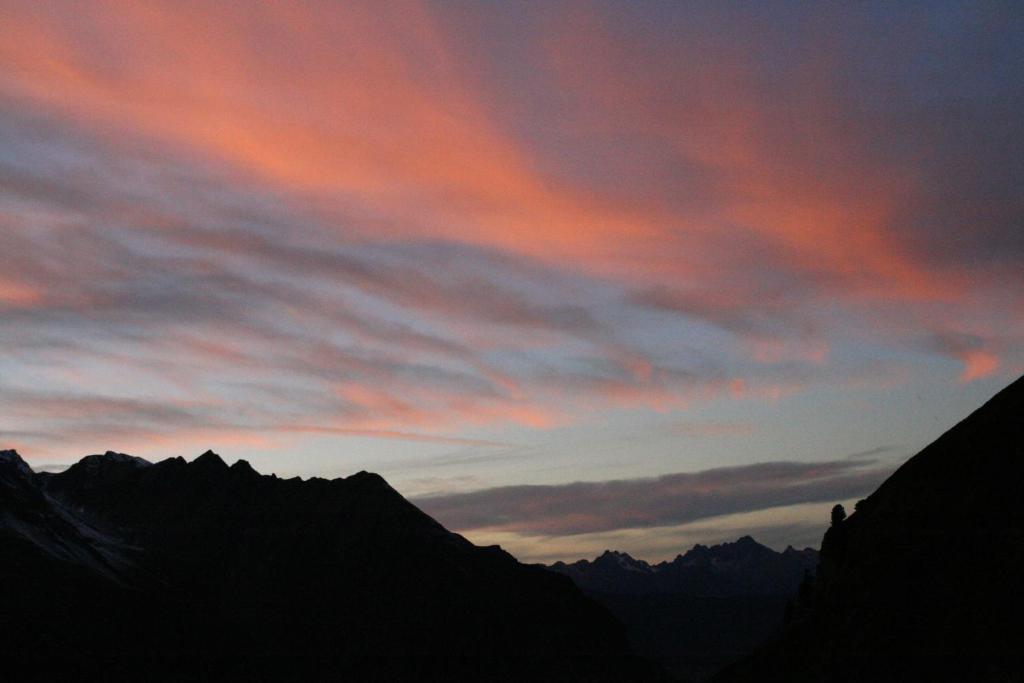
(922, 581)
(180, 569)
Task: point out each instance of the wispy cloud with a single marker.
(413, 222)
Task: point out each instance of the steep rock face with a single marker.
(226, 571)
(922, 582)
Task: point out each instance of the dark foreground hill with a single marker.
(702, 610)
(923, 581)
(181, 570)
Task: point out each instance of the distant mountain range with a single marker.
(743, 568)
(702, 610)
(922, 582)
(118, 568)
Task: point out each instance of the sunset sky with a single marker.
(569, 275)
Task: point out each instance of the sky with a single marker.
(571, 276)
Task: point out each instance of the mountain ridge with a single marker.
(217, 568)
(743, 567)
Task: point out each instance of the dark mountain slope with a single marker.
(36, 529)
(922, 582)
(702, 610)
(229, 573)
(64, 586)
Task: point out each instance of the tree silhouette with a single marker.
(838, 515)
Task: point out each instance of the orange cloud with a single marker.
(369, 104)
(977, 365)
(376, 105)
(17, 294)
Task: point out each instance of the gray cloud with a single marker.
(871, 452)
(672, 499)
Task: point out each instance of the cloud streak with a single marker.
(672, 499)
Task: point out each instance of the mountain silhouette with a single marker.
(702, 610)
(197, 569)
(744, 567)
(922, 581)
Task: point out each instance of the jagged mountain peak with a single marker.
(113, 457)
(210, 459)
(612, 554)
(243, 466)
(741, 548)
(620, 560)
(743, 567)
(97, 466)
